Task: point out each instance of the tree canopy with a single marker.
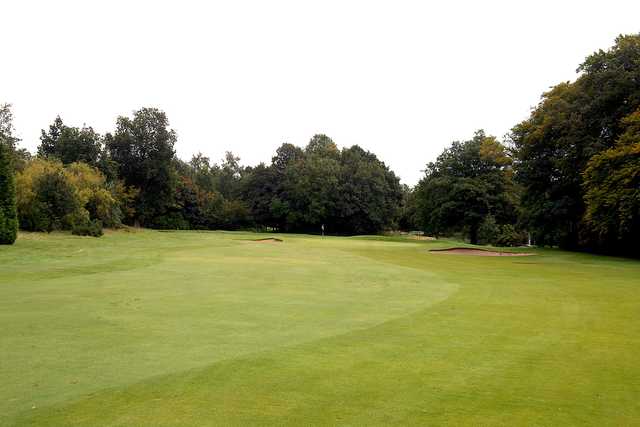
(573, 122)
(468, 183)
(143, 149)
(612, 191)
(70, 144)
(348, 191)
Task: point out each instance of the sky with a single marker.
(402, 79)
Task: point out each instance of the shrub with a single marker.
(170, 221)
(488, 231)
(235, 215)
(90, 228)
(93, 193)
(56, 197)
(492, 233)
(509, 236)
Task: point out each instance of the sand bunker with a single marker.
(477, 252)
(268, 240)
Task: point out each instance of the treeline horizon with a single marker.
(133, 176)
(567, 176)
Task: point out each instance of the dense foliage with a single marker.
(52, 196)
(573, 123)
(346, 191)
(612, 191)
(142, 149)
(70, 144)
(469, 189)
(8, 212)
(81, 180)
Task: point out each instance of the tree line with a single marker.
(80, 180)
(568, 176)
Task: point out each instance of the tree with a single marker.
(407, 215)
(52, 196)
(612, 191)
(572, 123)
(202, 172)
(8, 210)
(370, 194)
(286, 156)
(260, 191)
(323, 146)
(21, 158)
(56, 202)
(469, 181)
(143, 149)
(311, 187)
(70, 144)
(348, 191)
(95, 194)
(280, 184)
(229, 176)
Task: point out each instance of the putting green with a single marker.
(187, 328)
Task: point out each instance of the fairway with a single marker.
(217, 328)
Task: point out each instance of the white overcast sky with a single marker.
(400, 78)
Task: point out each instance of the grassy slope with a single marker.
(194, 328)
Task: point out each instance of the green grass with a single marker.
(185, 328)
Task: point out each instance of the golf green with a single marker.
(220, 328)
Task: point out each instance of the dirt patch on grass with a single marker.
(477, 252)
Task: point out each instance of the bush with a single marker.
(488, 231)
(56, 196)
(170, 221)
(94, 194)
(90, 228)
(491, 233)
(33, 217)
(52, 196)
(509, 236)
(78, 218)
(235, 215)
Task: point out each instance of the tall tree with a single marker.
(229, 176)
(311, 187)
(70, 144)
(612, 191)
(370, 194)
(573, 122)
(468, 182)
(286, 156)
(260, 192)
(203, 173)
(285, 168)
(143, 149)
(8, 211)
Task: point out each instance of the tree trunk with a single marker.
(473, 234)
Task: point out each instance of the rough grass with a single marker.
(191, 329)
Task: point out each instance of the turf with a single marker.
(187, 328)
